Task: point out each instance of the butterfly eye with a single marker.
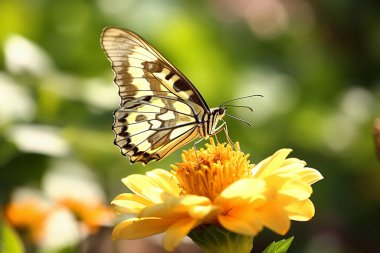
(221, 111)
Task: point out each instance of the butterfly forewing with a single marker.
(136, 64)
(160, 109)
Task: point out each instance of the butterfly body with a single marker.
(160, 109)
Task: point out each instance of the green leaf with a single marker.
(280, 246)
(10, 242)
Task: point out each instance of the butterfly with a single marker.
(160, 109)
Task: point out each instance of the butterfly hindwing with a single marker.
(160, 108)
(146, 128)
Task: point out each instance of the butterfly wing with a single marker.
(150, 128)
(160, 108)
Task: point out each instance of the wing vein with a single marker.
(191, 129)
(159, 129)
(169, 109)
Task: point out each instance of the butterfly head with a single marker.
(219, 112)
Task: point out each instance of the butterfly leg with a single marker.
(228, 136)
(195, 150)
(216, 137)
(198, 141)
(223, 127)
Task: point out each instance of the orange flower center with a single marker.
(207, 172)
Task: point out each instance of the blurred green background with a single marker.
(317, 63)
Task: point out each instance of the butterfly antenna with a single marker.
(241, 106)
(241, 98)
(242, 120)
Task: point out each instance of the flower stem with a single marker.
(216, 239)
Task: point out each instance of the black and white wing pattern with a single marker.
(160, 109)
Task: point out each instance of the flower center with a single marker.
(207, 172)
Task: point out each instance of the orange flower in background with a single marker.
(217, 186)
(92, 215)
(29, 216)
(39, 219)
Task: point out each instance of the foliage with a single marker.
(10, 241)
(281, 246)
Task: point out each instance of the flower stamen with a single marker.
(207, 172)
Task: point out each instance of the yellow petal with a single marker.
(144, 187)
(165, 180)
(310, 175)
(293, 161)
(291, 170)
(175, 208)
(275, 218)
(300, 210)
(241, 220)
(129, 203)
(192, 200)
(300, 172)
(200, 212)
(270, 164)
(135, 228)
(296, 189)
(177, 232)
(243, 191)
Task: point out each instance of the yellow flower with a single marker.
(217, 186)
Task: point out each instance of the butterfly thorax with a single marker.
(209, 121)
